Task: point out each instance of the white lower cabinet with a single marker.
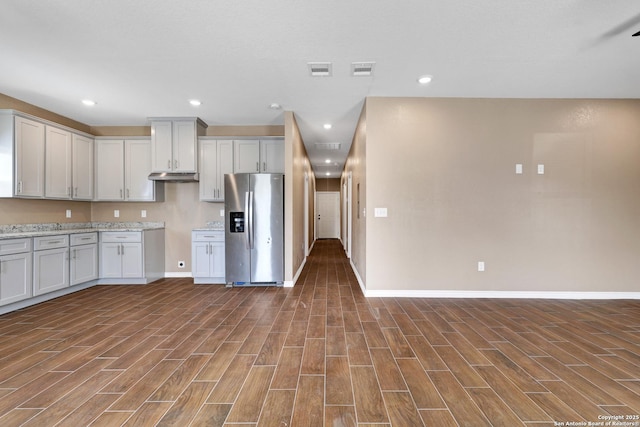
(83, 265)
(207, 257)
(121, 255)
(15, 270)
(50, 264)
(131, 257)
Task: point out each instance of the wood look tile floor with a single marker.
(317, 354)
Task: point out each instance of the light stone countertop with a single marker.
(19, 231)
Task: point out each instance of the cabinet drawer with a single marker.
(50, 242)
(84, 238)
(15, 246)
(208, 236)
(120, 236)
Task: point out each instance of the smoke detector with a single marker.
(320, 69)
(362, 69)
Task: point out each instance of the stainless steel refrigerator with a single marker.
(254, 229)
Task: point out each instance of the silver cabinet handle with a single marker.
(121, 193)
(128, 193)
(118, 249)
(169, 164)
(121, 249)
(257, 166)
(175, 164)
(264, 166)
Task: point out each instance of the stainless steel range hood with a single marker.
(174, 176)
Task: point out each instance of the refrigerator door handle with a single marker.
(250, 215)
(247, 225)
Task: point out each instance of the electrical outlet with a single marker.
(68, 213)
(116, 213)
(143, 213)
(222, 213)
(181, 264)
(480, 265)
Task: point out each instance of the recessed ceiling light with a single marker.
(328, 174)
(423, 80)
(327, 126)
(88, 102)
(328, 161)
(275, 106)
(195, 102)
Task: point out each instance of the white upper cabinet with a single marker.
(254, 156)
(216, 160)
(42, 160)
(137, 164)
(29, 157)
(246, 156)
(57, 163)
(272, 156)
(109, 169)
(122, 170)
(82, 167)
(68, 165)
(174, 144)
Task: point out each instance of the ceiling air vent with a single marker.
(360, 69)
(319, 69)
(327, 145)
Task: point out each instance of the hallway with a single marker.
(317, 354)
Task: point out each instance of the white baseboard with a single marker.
(169, 274)
(358, 278)
(499, 294)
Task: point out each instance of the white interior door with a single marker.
(328, 215)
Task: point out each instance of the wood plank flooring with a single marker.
(318, 354)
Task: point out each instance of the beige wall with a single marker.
(25, 211)
(445, 169)
(356, 167)
(297, 166)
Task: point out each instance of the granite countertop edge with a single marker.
(19, 231)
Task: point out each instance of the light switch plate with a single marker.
(540, 169)
(480, 265)
(68, 213)
(116, 213)
(518, 169)
(222, 213)
(143, 213)
(380, 212)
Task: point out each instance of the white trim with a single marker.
(169, 274)
(290, 283)
(358, 278)
(496, 294)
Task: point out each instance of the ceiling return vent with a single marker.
(327, 145)
(362, 69)
(320, 69)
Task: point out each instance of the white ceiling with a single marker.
(147, 58)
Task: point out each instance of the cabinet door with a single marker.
(131, 260)
(161, 146)
(110, 260)
(208, 185)
(272, 156)
(50, 270)
(224, 164)
(184, 146)
(109, 169)
(217, 259)
(82, 167)
(29, 158)
(137, 157)
(246, 156)
(200, 259)
(83, 264)
(15, 277)
(57, 182)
